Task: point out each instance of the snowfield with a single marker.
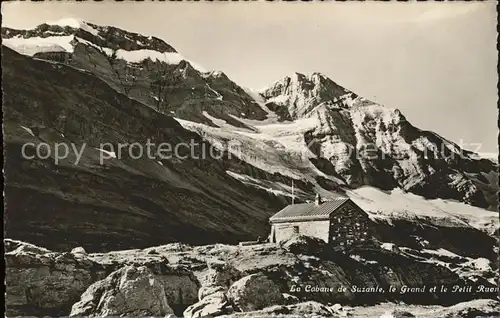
(273, 148)
(397, 204)
(66, 43)
(280, 148)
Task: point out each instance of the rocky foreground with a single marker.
(300, 278)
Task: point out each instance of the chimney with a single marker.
(318, 199)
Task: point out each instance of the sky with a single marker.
(434, 61)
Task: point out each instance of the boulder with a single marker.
(212, 297)
(254, 292)
(78, 251)
(304, 245)
(215, 304)
(40, 283)
(129, 291)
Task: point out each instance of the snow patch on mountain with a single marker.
(31, 46)
(388, 246)
(217, 121)
(280, 100)
(281, 148)
(287, 136)
(141, 55)
(110, 154)
(138, 56)
(218, 96)
(441, 252)
(74, 23)
(213, 74)
(28, 130)
(397, 204)
(275, 148)
(276, 188)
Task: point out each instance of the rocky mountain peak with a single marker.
(301, 93)
(63, 35)
(142, 67)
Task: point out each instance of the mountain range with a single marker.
(81, 83)
(157, 236)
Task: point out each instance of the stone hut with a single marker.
(338, 221)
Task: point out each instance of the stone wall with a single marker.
(284, 231)
(350, 226)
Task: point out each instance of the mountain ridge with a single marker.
(67, 203)
(214, 95)
(303, 128)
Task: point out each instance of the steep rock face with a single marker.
(300, 94)
(212, 295)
